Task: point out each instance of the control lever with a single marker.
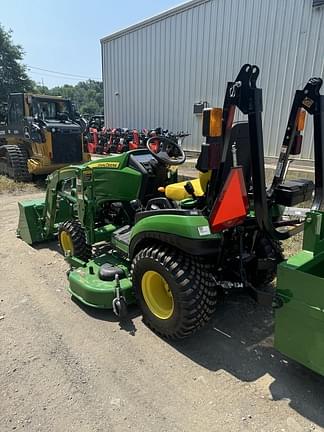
(190, 190)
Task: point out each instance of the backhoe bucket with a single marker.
(30, 227)
(299, 319)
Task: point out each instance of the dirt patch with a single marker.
(9, 186)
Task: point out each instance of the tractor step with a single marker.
(121, 239)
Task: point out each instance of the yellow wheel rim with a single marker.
(66, 242)
(157, 294)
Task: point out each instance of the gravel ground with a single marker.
(8, 185)
(64, 367)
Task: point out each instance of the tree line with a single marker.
(87, 95)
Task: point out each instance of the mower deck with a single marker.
(87, 286)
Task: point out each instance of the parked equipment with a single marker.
(93, 132)
(41, 134)
(102, 140)
(175, 248)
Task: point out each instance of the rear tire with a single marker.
(72, 238)
(13, 163)
(189, 284)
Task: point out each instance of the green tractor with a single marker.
(177, 248)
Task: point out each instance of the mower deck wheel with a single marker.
(175, 292)
(72, 240)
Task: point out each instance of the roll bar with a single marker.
(244, 95)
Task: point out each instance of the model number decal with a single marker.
(104, 165)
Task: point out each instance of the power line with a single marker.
(54, 76)
(62, 73)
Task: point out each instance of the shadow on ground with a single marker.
(50, 245)
(239, 340)
(126, 324)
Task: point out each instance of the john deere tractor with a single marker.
(176, 248)
(41, 134)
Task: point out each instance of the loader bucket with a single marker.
(30, 227)
(299, 319)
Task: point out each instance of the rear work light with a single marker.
(300, 124)
(212, 122)
(231, 206)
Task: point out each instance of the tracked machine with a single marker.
(41, 134)
(178, 248)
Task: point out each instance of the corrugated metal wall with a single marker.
(161, 67)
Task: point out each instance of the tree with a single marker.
(13, 75)
(87, 95)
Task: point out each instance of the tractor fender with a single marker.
(189, 234)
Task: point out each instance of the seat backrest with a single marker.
(239, 137)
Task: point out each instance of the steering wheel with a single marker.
(169, 152)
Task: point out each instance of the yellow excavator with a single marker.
(39, 134)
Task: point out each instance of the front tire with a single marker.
(72, 240)
(175, 292)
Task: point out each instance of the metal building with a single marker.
(155, 71)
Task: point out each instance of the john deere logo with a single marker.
(104, 165)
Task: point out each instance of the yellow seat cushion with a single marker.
(177, 191)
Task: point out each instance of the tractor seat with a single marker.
(177, 191)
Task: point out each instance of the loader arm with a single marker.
(53, 195)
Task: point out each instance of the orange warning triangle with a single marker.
(231, 206)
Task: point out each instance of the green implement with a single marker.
(299, 320)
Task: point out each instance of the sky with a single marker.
(64, 35)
